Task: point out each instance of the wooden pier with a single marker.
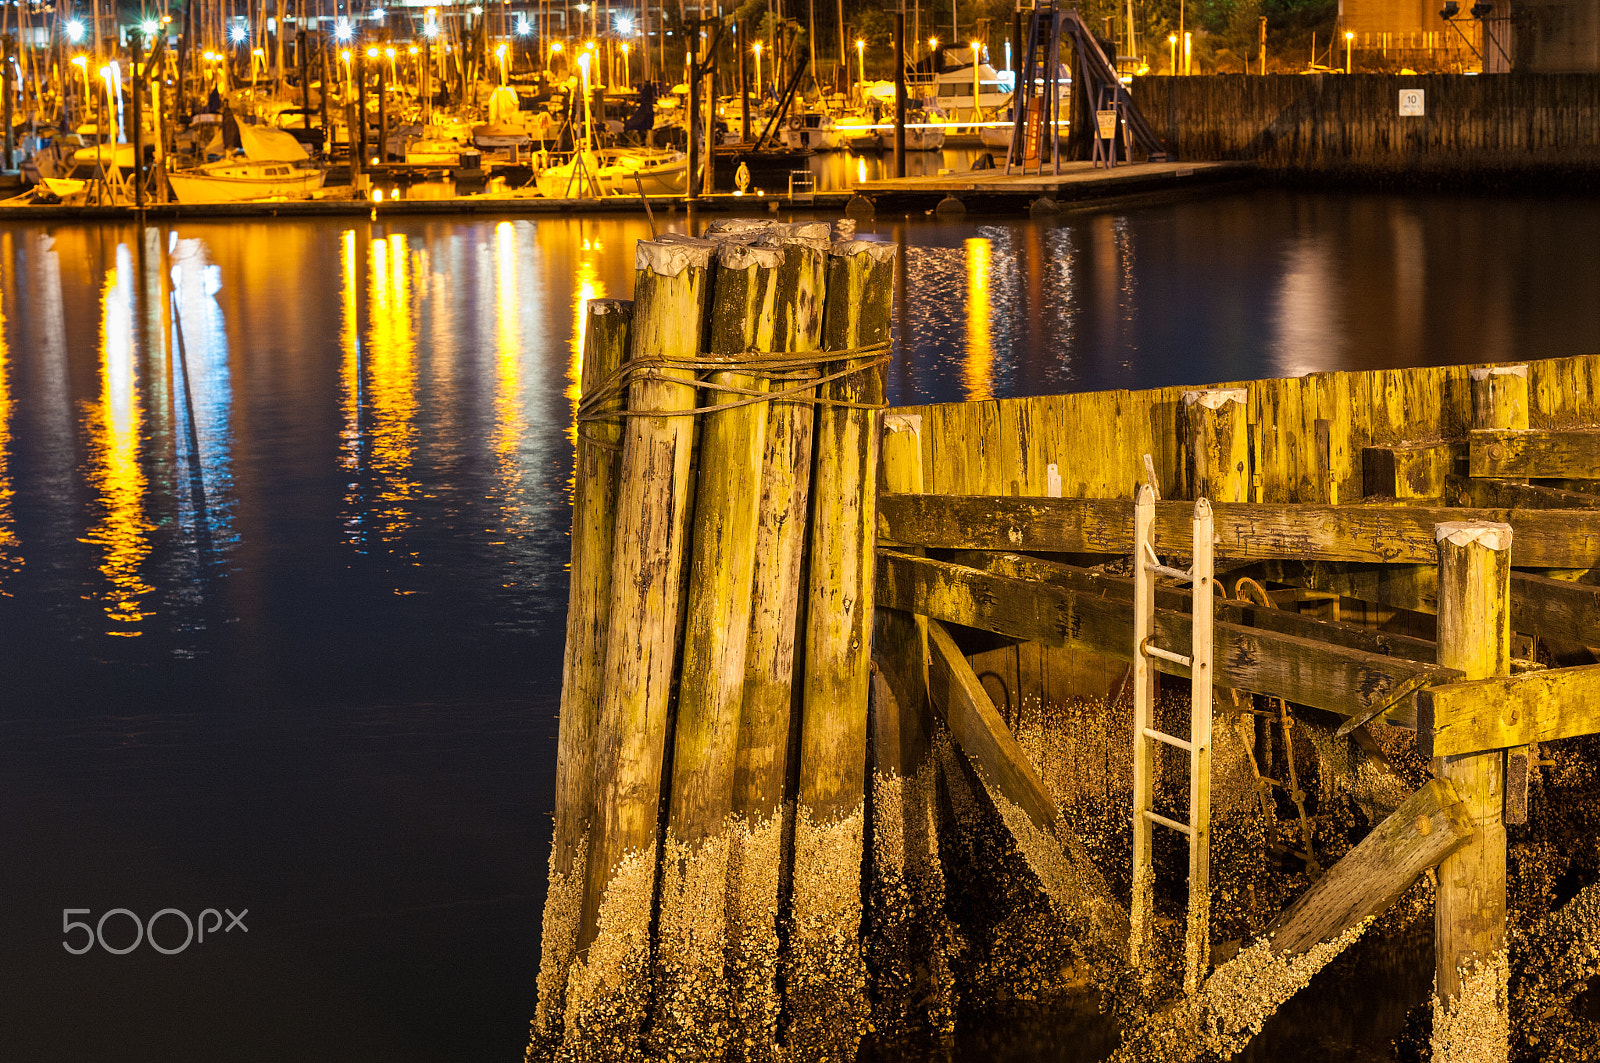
(766, 847)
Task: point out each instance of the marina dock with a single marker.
(1078, 182)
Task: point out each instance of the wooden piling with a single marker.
(1217, 465)
(596, 466)
(827, 979)
(762, 763)
(1470, 1021)
(693, 1010)
(908, 936)
(609, 986)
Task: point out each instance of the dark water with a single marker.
(283, 546)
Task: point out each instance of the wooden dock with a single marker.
(1077, 181)
(1367, 598)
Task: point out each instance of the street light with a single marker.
(75, 33)
(977, 109)
(861, 59)
(500, 54)
(760, 93)
(1188, 53)
(1172, 43)
(1349, 39)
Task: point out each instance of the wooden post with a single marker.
(1141, 909)
(1469, 1016)
(827, 982)
(136, 80)
(1197, 936)
(596, 466)
(1500, 398)
(762, 767)
(609, 985)
(693, 926)
(1218, 463)
(909, 935)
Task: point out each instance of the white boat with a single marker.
(814, 132)
(433, 153)
(617, 172)
(273, 166)
(921, 135)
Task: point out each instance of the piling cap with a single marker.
(671, 253)
(880, 250)
(902, 422)
(1216, 398)
(602, 307)
(739, 255)
(1491, 535)
(737, 227)
(1499, 370)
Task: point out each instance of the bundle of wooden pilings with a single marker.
(705, 877)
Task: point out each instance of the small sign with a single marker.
(1410, 103)
(1108, 124)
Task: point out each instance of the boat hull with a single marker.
(194, 188)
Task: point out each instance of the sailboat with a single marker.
(273, 166)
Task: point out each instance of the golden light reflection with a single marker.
(392, 384)
(508, 355)
(113, 429)
(587, 286)
(978, 373)
(349, 357)
(10, 546)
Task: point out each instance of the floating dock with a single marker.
(1077, 182)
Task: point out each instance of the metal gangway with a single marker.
(1036, 103)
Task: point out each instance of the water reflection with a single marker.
(10, 546)
(112, 425)
(980, 351)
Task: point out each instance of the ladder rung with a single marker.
(1161, 736)
(1165, 822)
(1170, 572)
(1166, 655)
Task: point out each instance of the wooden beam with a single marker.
(1469, 717)
(1245, 531)
(1344, 681)
(1427, 827)
(1410, 470)
(1223, 1017)
(1230, 610)
(1509, 453)
(1550, 608)
(1481, 493)
(1065, 870)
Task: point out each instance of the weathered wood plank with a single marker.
(1508, 453)
(1345, 681)
(1550, 608)
(1482, 493)
(1468, 717)
(1245, 531)
(1427, 827)
(1410, 470)
(1245, 614)
(1063, 867)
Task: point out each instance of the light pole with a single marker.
(1188, 54)
(1172, 43)
(861, 60)
(1349, 40)
(977, 109)
(760, 92)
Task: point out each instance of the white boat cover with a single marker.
(261, 144)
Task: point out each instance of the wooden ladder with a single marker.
(1146, 568)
